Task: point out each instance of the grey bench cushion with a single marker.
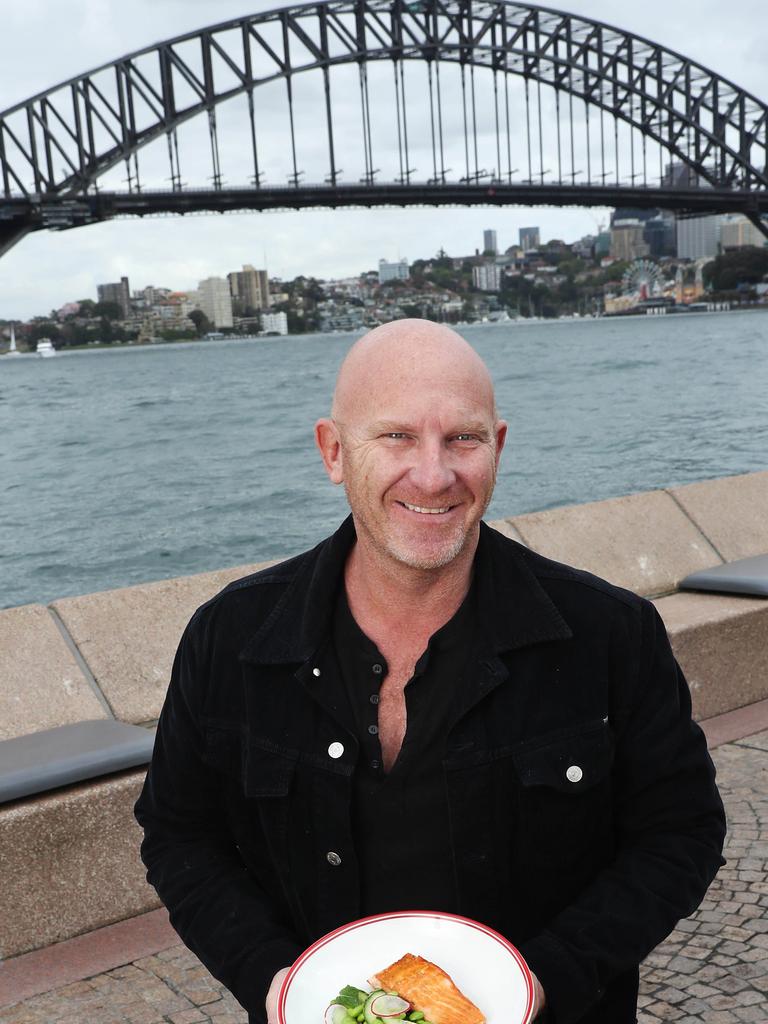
(70, 753)
(746, 576)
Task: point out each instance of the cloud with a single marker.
(47, 268)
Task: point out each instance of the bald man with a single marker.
(420, 714)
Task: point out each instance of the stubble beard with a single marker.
(389, 545)
(442, 556)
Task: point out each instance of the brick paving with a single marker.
(713, 969)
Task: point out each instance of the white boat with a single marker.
(45, 347)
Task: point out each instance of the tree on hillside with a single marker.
(201, 322)
(739, 266)
(107, 310)
(309, 289)
(41, 327)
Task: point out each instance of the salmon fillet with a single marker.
(429, 989)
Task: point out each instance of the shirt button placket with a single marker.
(373, 730)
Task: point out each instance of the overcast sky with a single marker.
(48, 41)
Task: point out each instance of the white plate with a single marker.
(483, 964)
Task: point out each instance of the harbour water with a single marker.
(132, 464)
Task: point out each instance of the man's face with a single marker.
(419, 455)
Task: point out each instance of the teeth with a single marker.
(428, 511)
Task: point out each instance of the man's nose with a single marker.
(431, 471)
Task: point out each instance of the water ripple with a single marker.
(145, 463)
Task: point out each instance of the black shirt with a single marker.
(390, 809)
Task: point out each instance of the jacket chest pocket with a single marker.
(564, 782)
(257, 780)
(249, 769)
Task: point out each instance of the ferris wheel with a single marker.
(642, 278)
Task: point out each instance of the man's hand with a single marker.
(274, 990)
(539, 999)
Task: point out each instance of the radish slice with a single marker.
(389, 1006)
(336, 1014)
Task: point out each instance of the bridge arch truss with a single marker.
(588, 113)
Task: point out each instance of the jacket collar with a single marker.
(514, 608)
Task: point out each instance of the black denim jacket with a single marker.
(584, 871)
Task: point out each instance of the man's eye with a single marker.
(466, 437)
(396, 435)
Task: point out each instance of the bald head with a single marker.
(415, 440)
(401, 352)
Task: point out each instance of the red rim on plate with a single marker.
(437, 915)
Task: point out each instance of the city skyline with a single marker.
(232, 298)
(46, 269)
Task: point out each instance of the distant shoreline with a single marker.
(517, 322)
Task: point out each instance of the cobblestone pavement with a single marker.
(713, 969)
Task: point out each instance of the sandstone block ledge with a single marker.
(731, 511)
(722, 646)
(128, 637)
(643, 542)
(71, 857)
(71, 863)
(42, 683)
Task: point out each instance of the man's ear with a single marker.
(328, 443)
(500, 431)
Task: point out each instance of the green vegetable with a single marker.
(370, 1016)
(351, 997)
(357, 1005)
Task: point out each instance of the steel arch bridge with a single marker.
(429, 102)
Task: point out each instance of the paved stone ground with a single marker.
(713, 969)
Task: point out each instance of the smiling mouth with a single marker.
(426, 511)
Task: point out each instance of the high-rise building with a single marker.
(490, 245)
(679, 175)
(274, 323)
(215, 301)
(658, 227)
(529, 239)
(249, 289)
(118, 293)
(737, 232)
(698, 236)
(628, 240)
(487, 277)
(660, 234)
(398, 271)
(602, 245)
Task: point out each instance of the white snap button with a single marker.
(333, 858)
(574, 773)
(336, 750)
(315, 671)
